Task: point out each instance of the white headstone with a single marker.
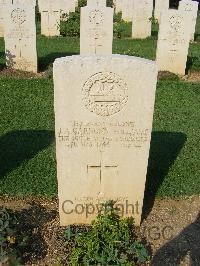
(20, 37)
(3, 4)
(24, 2)
(191, 8)
(96, 32)
(127, 10)
(100, 3)
(67, 6)
(103, 123)
(50, 17)
(160, 6)
(118, 6)
(141, 25)
(173, 42)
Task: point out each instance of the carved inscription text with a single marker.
(102, 135)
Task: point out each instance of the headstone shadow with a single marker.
(165, 147)
(196, 36)
(46, 61)
(187, 243)
(19, 146)
(2, 56)
(190, 62)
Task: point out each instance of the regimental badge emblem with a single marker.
(18, 16)
(105, 93)
(176, 22)
(96, 17)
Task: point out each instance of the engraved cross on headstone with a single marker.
(101, 168)
(49, 14)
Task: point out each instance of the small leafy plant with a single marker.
(109, 241)
(11, 242)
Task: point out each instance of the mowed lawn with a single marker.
(27, 143)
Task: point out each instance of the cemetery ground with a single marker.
(28, 166)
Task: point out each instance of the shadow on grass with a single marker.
(196, 36)
(19, 146)
(189, 64)
(2, 57)
(31, 223)
(154, 33)
(186, 243)
(192, 63)
(165, 147)
(46, 61)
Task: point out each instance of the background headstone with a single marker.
(118, 6)
(127, 10)
(191, 8)
(142, 15)
(50, 17)
(3, 4)
(96, 32)
(173, 41)
(103, 120)
(101, 3)
(24, 2)
(67, 6)
(20, 37)
(160, 6)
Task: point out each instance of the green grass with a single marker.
(28, 149)
(27, 140)
(27, 146)
(197, 37)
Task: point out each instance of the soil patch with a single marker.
(171, 231)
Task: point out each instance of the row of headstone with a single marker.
(65, 6)
(140, 13)
(96, 33)
(103, 118)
